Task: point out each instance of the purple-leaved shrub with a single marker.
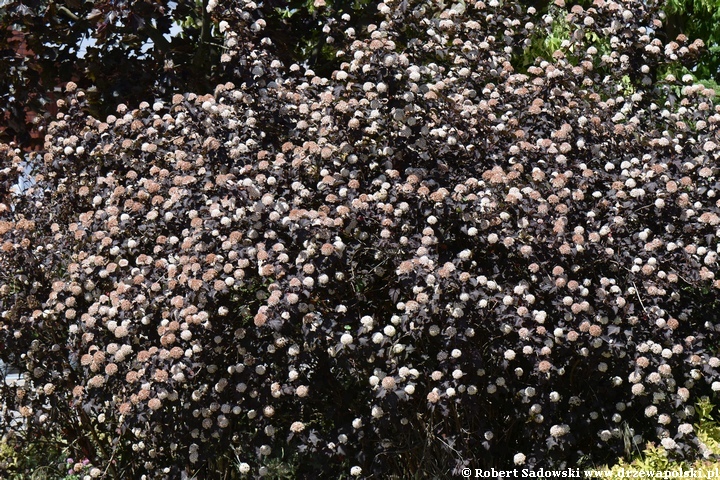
(427, 261)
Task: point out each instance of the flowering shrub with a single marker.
(80, 470)
(428, 260)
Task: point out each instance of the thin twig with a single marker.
(640, 299)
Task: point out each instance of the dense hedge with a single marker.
(428, 260)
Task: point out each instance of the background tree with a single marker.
(698, 19)
(119, 51)
(130, 51)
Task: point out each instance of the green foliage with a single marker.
(697, 19)
(700, 21)
(654, 458)
(707, 426)
(546, 42)
(305, 30)
(40, 459)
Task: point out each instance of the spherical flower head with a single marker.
(685, 428)
(356, 471)
(96, 381)
(346, 339)
(121, 331)
(683, 393)
(509, 354)
(388, 383)
(223, 421)
(244, 468)
(297, 427)
(367, 322)
(668, 443)
(559, 430)
(519, 459)
(327, 249)
(642, 362)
